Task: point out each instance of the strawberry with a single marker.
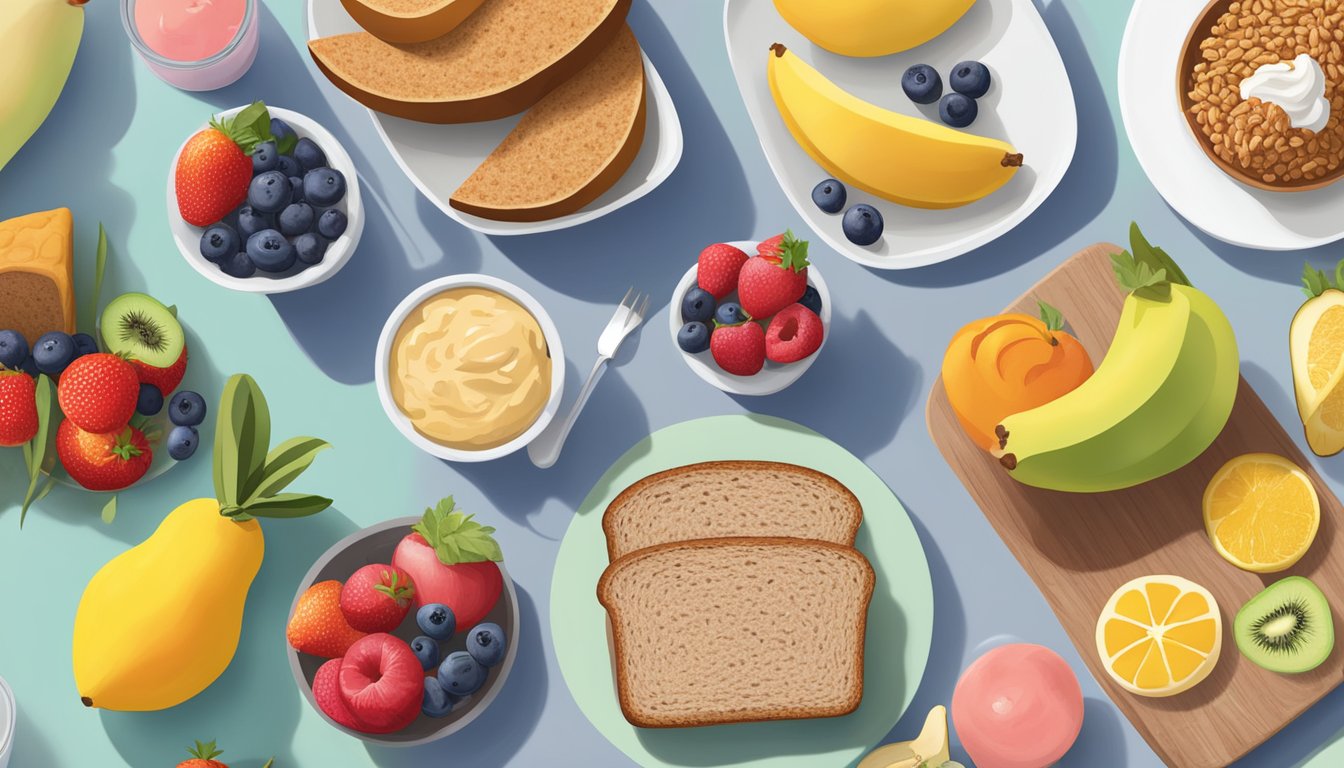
(166, 379)
(98, 392)
(214, 169)
(774, 279)
(203, 756)
(18, 408)
(452, 559)
(771, 246)
(318, 627)
(794, 333)
(739, 349)
(109, 461)
(376, 598)
(717, 269)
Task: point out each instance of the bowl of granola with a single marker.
(1261, 84)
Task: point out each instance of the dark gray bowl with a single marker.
(375, 545)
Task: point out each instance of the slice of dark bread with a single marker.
(569, 148)
(409, 21)
(498, 62)
(731, 498)
(737, 630)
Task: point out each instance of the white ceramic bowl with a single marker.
(383, 361)
(774, 376)
(188, 237)
(8, 718)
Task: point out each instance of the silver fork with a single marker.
(545, 449)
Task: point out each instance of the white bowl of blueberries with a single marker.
(302, 215)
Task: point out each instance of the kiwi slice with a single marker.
(1286, 628)
(140, 327)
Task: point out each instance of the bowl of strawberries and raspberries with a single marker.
(405, 632)
(750, 317)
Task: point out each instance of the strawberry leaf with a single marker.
(455, 537)
(793, 252)
(1314, 281)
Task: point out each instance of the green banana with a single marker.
(38, 42)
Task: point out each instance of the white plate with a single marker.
(774, 376)
(1030, 105)
(1178, 167)
(438, 158)
(383, 359)
(7, 721)
(188, 237)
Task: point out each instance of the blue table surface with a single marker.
(104, 152)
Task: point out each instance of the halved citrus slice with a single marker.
(1316, 345)
(1159, 635)
(1261, 512)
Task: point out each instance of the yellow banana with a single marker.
(38, 41)
(871, 27)
(906, 160)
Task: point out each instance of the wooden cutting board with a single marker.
(1079, 548)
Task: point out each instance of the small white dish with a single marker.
(774, 376)
(188, 237)
(383, 360)
(8, 719)
(1030, 105)
(1176, 165)
(438, 158)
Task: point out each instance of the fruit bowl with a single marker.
(774, 377)
(376, 545)
(8, 718)
(188, 237)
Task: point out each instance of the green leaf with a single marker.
(1314, 281)
(286, 145)
(1339, 273)
(1134, 275)
(99, 268)
(110, 510)
(285, 463)
(284, 505)
(36, 451)
(269, 763)
(172, 310)
(1053, 318)
(793, 252)
(251, 126)
(242, 435)
(455, 537)
(1156, 258)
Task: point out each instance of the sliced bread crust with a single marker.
(409, 21)
(569, 148)
(738, 630)
(501, 60)
(731, 498)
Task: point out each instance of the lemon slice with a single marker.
(1159, 635)
(1316, 341)
(1261, 512)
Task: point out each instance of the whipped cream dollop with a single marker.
(1298, 87)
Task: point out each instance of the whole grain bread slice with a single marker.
(498, 62)
(569, 148)
(409, 21)
(737, 630)
(731, 498)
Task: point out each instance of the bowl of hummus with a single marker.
(470, 368)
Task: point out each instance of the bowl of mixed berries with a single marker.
(750, 317)
(264, 200)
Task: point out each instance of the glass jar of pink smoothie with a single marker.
(196, 45)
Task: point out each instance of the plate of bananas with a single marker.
(905, 133)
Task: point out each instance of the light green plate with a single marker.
(900, 619)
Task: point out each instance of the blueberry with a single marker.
(280, 130)
(697, 306)
(289, 166)
(331, 224)
(270, 192)
(84, 344)
(252, 221)
(922, 84)
(693, 338)
(811, 299)
(957, 110)
(13, 349)
(436, 702)
(240, 266)
(219, 242)
(309, 155)
(830, 196)
(427, 651)
(862, 224)
(486, 644)
(270, 251)
(729, 313)
(186, 409)
(310, 248)
(151, 400)
(296, 184)
(323, 187)
(436, 620)
(970, 78)
(265, 158)
(53, 352)
(182, 443)
(29, 366)
(460, 674)
(296, 219)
